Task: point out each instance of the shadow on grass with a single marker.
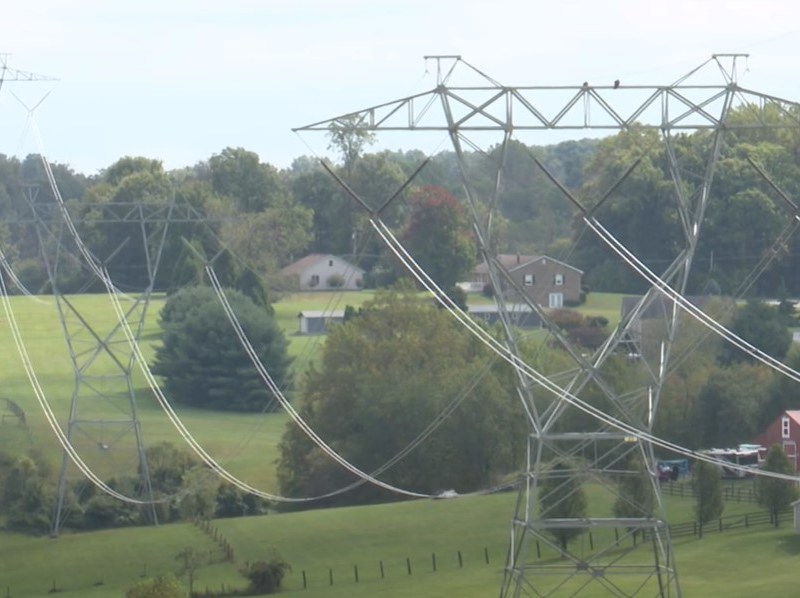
(790, 544)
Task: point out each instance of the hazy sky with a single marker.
(179, 80)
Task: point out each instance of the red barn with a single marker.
(784, 430)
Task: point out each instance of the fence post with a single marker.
(330, 575)
(355, 572)
(460, 561)
(382, 572)
(433, 561)
(408, 565)
(305, 582)
(538, 550)
(486, 554)
(591, 541)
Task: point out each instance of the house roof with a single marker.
(513, 261)
(793, 415)
(315, 313)
(312, 259)
(492, 308)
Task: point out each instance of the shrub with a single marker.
(266, 576)
(335, 281)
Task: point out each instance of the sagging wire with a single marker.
(52, 421)
(397, 248)
(297, 418)
(102, 274)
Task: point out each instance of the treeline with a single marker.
(269, 217)
(183, 489)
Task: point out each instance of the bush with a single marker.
(266, 576)
(566, 319)
(335, 281)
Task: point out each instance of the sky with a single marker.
(180, 80)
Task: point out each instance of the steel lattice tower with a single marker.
(617, 556)
(103, 423)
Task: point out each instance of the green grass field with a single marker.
(320, 543)
(331, 543)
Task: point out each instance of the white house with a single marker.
(324, 272)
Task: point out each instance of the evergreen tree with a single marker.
(203, 362)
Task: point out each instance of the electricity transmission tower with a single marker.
(8, 74)
(103, 423)
(624, 551)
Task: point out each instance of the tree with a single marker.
(349, 136)
(707, 481)
(266, 576)
(785, 392)
(202, 361)
(385, 375)
(562, 497)
(775, 494)
(200, 486)
(190, 560)
(762, 326)
(238, 174)
(641, 212)
(635, 495)
(438, 236)
(26, 497)
(729, 404)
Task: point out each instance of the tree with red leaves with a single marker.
(439, 236)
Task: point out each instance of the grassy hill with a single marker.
(325, 544)
(322, 544)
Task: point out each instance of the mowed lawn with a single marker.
(322, 543)
(334, 544)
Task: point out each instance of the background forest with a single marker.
(270, 217)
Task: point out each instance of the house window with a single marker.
(555, 300)
(314, 280)
(785, 427)
(559, 280)
(529, 280)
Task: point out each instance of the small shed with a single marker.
(317, 322)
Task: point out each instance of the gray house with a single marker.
(544, 280)
(324, 272)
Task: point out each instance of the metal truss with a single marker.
(8, 74)
(624, 556)
(103, 423)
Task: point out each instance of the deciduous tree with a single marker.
(562, 497)
(707, 480)
(775, 494)
(385, 376)
(439, 238)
